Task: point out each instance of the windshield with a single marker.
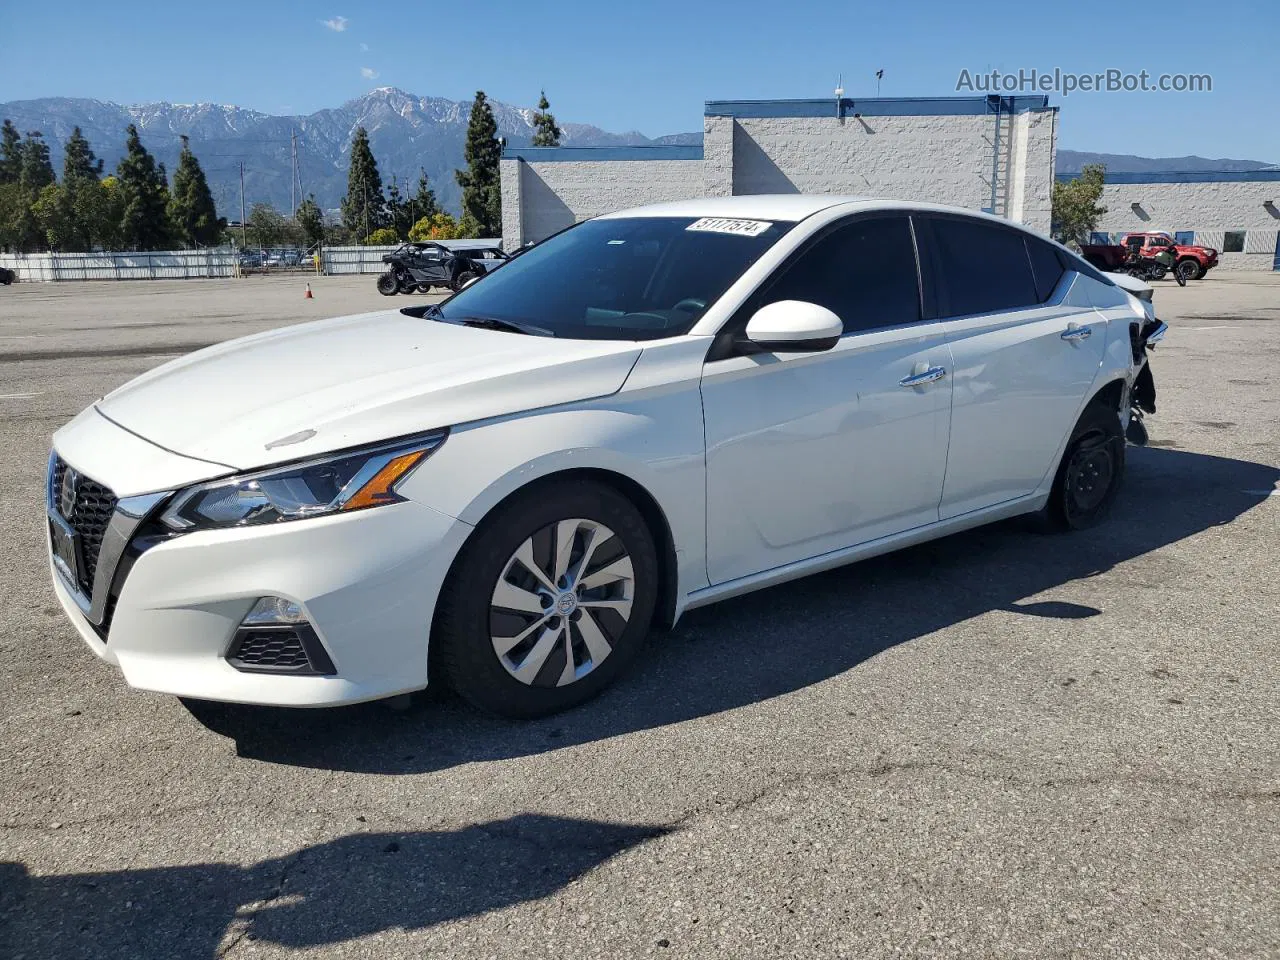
(638, 278)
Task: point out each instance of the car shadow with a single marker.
(326, 893)
(780, 640)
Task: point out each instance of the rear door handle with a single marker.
(1074, 334)
(927, 376)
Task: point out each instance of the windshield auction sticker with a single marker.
(741, 228)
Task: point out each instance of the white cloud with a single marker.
(337, 24)
(364, 48)
(369, 73)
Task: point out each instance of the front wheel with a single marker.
(465, 277)
(549, 601)
(1089, 476)
(1189, 269)
(388, 285)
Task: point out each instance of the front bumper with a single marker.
(367, 581)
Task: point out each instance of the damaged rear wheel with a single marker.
(1089, 476)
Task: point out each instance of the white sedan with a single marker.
(648, 412)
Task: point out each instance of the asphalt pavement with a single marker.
(1001, 744)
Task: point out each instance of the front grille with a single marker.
(271, 650)
(88, 506)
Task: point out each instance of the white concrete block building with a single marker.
(1236, 213)
(988, 153)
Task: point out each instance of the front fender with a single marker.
(654, 441)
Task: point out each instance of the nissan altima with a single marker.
(647, 412)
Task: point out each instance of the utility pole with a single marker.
(293, 172)
(244, 231)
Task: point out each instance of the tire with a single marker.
(465, 277)
(1189, 269)
(388, 285)
(1089, 476)
(1158, 271)
(472, 640)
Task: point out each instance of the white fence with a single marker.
(156, 265)
(337, 260)
(189, 264)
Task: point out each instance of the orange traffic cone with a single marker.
(308, 296)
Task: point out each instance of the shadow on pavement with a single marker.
(780, 640)
(348, 887)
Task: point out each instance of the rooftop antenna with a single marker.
(839, 92)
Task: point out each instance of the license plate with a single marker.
(66, 550)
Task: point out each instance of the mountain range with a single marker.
(408, 133)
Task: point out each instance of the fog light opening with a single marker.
(276, 637)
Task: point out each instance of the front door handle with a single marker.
(1074, 334)
(926, 376)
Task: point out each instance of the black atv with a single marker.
(421, 266)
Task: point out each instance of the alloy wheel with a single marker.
(562, 602)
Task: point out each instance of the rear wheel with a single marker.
(549, 601)
(388, 285)
(1089, 476)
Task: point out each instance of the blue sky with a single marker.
(649, 65)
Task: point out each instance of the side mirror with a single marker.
(792, 326)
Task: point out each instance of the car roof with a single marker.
(794, 207)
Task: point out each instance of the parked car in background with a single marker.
(252, 260)
(645, 413)
(7, 276)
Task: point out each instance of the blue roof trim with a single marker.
(1190, 176)
(876, 107)
(563, 154)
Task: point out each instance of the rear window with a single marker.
(984, 267)
(1046, 267)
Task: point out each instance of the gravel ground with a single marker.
(1000, 744)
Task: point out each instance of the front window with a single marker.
(637, 278)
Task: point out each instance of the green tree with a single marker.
(1076, 210)
(37, 169)
(310, 220)
(16, 219)
(78, 162)
(545, 131)
(145, 221)
(191, 210)
(267, 227)
(10, 153)
(438, 226)
(54, 213)
(480, 183)
(363, 208)
(382, 237)
(399, 210)
(424, 202)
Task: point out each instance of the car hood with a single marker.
(323, 386)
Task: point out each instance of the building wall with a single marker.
(937, 158)
(542, 197)
(1210, 208)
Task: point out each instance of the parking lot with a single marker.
(1000, 744)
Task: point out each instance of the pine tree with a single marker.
(78, 161)
(363, 208)
(480, 183)
(545, 131)
(310, 220)
(37, 168)
(399, 210)
(10, 153)
(145, 222)
(191, 210)
(424, 202)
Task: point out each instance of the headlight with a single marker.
(352, 480)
